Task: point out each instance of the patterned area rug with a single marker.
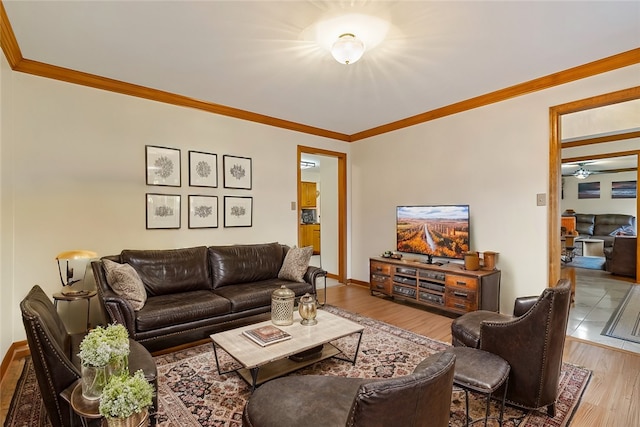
(191, 393)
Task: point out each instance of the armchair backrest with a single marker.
(50, 347)
(417, 400)
(533, 345)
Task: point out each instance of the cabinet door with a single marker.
(308, 195)
(315, 237)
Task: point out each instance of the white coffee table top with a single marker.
(251, 355)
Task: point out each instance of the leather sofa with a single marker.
(604, 226)
(621, 258)
(194, 292)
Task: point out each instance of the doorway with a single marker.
(332, 211)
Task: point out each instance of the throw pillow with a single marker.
(125, 281)
(296, 263)
(626, 230)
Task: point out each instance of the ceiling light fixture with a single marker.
(347, 49)
(582, 173)
(307, 165)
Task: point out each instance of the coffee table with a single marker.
(593, 247)
(261, 364)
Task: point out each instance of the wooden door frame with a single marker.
(342, 203)
(555, 174)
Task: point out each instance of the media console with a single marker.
(448, 287)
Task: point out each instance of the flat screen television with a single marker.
(433, 230)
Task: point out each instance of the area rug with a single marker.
(625, 321)
(589, 262)
(191, 393)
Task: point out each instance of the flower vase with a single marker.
(119, 365)
(94, 378)
(135, 420)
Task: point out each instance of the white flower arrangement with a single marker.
(104, 345)
(126, 395)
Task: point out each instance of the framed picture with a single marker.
(203, 212)
(238, 211)
(624, 189)
(589, 190)
(203, 169)
(237, 172)
(163, 211)
(163, 166)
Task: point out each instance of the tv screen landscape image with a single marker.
(436, 231)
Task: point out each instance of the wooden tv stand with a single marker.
(448, 287)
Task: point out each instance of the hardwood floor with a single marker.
(611, 399)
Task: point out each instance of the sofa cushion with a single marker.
(258, 294)
(180, 308)
(235, 264)
(124, 281)
(172, 270)
(295, 264)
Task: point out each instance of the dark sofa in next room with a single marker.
(187, 294)
(604, 227)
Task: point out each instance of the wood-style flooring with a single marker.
(611, 399)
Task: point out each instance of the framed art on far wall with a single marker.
(238, 211)
(203, 169)
(163, 166)
(203, 211)
(237, 172)
(163, 211)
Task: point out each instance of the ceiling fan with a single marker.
(582, 172)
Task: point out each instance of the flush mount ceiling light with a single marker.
(346, 36)
(347, 49)
(582, 173)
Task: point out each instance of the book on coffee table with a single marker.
(267, 335)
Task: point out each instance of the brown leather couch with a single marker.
(621, 258)
(194, 292)
(421, 399)
(531, 341)
(603, 226)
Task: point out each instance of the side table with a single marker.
(85, 408)
(84, 296)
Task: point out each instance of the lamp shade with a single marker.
(347, 49)
(77, 254)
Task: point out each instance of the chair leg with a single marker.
(486, 413)
(551, 410)
(466, 403)
(504, 399)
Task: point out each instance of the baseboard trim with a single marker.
(16, 351)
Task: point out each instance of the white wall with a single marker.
(494, 158)
(73, 177)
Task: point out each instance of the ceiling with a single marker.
(263, 56)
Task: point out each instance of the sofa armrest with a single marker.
(312, 275)
(117, 308)
(523, 304)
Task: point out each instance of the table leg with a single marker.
(355, 356)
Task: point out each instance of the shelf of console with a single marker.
(448, 287)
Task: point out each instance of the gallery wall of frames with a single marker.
(164, 170)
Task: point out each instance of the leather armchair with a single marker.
(532, 341)
(622, 257)
(417, 400)
(55, 361)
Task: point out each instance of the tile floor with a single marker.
(597, 297)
